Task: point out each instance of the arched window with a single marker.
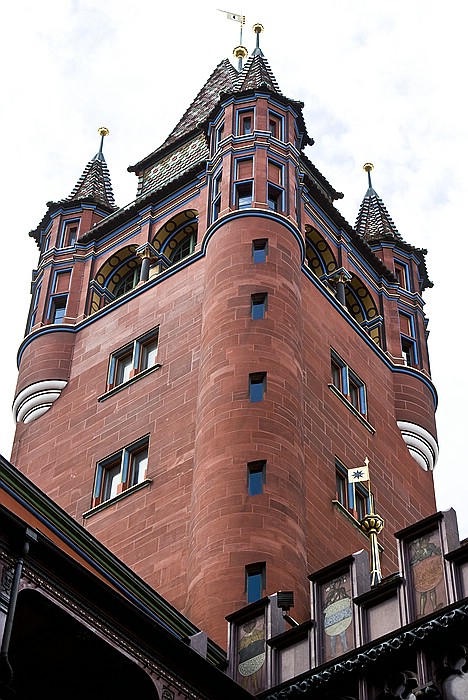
(178, 237)
(128, 282)
(361, 306)
(184, 248)
(320, 258)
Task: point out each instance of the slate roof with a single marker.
(256, 74)
(373, 221)
(224, 80)
(95, 183)
(374, 225)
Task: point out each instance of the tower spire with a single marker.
(373, 220)
(95, 182)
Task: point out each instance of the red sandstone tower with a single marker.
(202, 366)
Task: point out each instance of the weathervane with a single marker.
(371, 524)
(240, 52)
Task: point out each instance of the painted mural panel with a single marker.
(251, 666)
(427, 574)
(337, 613)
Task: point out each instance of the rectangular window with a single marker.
(275, 125)
(133, 359)
(408, 351)
(348, 384)
(260, 250)
(257, 386)
(255, 581)
(402, 274)
(275, 198)
(245, 123)
(69, 234)
(58, 308)
(34, 306)
(341, 487)
(256, 477)
(217, 182)
(259, 306)
(244, 195)
(219, 134)
(121, 471)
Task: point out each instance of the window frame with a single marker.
(258, 306)
(255, 574)
(58, 302)
(257, 379)
(136, 350)
(120, 464)
(66, 239)
(241, 116)
(216, 197)
(259, 250)
(258, 467)
(402, 273)
(351, 387)
(278, 120)
(409, 346)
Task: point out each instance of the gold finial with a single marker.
(240, 52)
(367, 167)
(103, 131)
(258, 28)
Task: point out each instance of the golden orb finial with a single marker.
(103, 131)
(367, 167)
(258, 28)
(240, 52)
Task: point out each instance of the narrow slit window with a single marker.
(256, 477)
(257, 386)
(259, 306)
(254, 582)
(259, 250)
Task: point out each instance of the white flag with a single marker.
(234, 16)
(358, 474)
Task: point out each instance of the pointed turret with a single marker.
(257, 72)
(95, 182)
(373, 221)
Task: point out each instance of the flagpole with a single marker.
(372, 525)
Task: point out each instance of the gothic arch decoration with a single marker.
(318, 253)
(362, 308)
(118, 275)
(178, 237)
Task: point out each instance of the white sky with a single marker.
(381, 82)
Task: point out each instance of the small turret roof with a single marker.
(95, 182)
(256, 74)
(375, 226)
(373, 220)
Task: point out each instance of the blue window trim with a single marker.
(280, 117)
(52, 302)
(406, 271)
(216, 194)
(242, 112)
(65, 224)
(135, 348)
(122, 457)
(349, 376)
